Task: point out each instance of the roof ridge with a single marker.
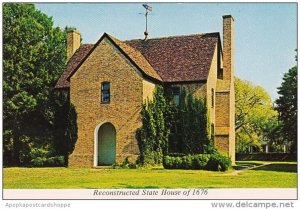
(144, 68)
(167, 59)
(174, 36)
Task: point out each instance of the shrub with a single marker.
(186, 162)
(200, 161)
(218, 162)
(38, 162)
(150, 158)
(178, 162)
(126, 165)
(175, 154)
(41, 157)
(214, 162)
(57, 161)
(167, 162)
(153, 135)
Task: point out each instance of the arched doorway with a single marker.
(106, 146)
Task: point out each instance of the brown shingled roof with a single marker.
(78, 56)
(137, 58)
(170, 59)
(179, 58)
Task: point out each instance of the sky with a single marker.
(265, 35)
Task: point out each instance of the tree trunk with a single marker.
(16, 148)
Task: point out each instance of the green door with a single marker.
(106, 144)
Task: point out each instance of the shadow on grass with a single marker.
(279, 168)
(158, 169)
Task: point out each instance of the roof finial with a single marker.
(148, 8)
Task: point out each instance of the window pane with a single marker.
(105, 92)
(105, 86)
(105, 97)
(176, 100)
(176, 95)
(176, 91)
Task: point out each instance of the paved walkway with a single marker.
(236, 172)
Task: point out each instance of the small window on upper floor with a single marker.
(176, 95)
(105, 92)
(220, 73)
(212, 98)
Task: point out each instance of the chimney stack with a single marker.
(225, 95)
(228, 71)
(73, 42)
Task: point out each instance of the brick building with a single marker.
(108, 82)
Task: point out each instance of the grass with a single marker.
(274, 175)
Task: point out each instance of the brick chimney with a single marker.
(73, 42)
(225, 99)
(228, 70)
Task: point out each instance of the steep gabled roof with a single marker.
(134, 56)
(179, 58)
(75, 60)
(169, 59)
(137, 58)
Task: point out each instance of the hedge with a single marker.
(213, 162)
(218, 162)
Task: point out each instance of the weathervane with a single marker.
(148, 9)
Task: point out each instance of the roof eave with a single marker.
(135, 65)
(88, 54)
(185, 82)
(105, 35)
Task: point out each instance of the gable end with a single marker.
(105, 35)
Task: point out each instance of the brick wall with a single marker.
(232, 123)
(129, 90)
(73, 42)
(221, 142)
(228, 44)
(225, 95)
(123, 111)
(222, 109)
(148, 90)
(212, 85)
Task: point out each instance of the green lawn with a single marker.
(275, 175)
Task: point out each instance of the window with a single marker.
(212, 98)
(105, 92)
(176, 95)
(220, 73)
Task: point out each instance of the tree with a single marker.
(154, 134)
(34, 55)
(167, 128)
(254, 113)
(272, 134)
(191, 128)
(64, 125)
(287, 107)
